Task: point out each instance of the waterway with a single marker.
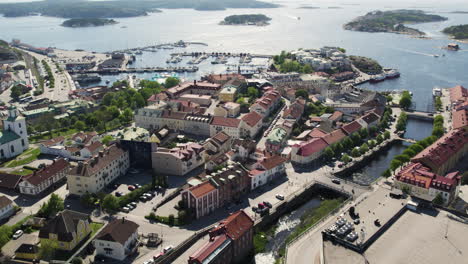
(415, 129)
(291, 28)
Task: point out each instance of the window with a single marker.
(19, 125)
(2, 154)
(22, 141)
(12, 149)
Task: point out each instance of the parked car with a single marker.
(138, 186)
(18, 234)
(336, 181)
(143, 198)
(267, 204)
(134, 204)
(131, 188)
(125, 209)
(118, 194)
(254, 208)
(168, 248)
(130, 206)
(150, 261)
(158, 256)
(280, 197)
(133, 171)
(261, 206)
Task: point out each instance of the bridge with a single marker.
(409, 140)
(421, 115)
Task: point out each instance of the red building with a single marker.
(230, 242)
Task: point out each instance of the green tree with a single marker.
(345, 158)
(380, 139)
(387, 134)
(405, 100)
(387, 173)
(302, 93)
(80, 125)
(371, 144)
(5, 234)
(356, 138)
(127, 115)
(16, 92)
(107, 99)
(355, 152)
(438, 131)
(47, 249)
(107, 139)
(77, 260)
(139, 100)
(372, 131)
(51, 207)
(363, 132)
(171, 82)
(416, 148)
(364, 148)
(439, 200)
(403, 158)
(394, 164)
(337, 148)
(110, 204)
(438, 103)
(347, 143)
(409, 152)
(329, 154)
(253, 92)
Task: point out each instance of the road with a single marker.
(278, 118)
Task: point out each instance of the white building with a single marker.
(266, 170)
(14, 137)
(96, 173)
(44, 178)
(118, 240)
(6, 207)
(179, 160)
(230, 126)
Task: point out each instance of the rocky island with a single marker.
(88, 22)
(392, 21)
(459, 32)
(250, 19)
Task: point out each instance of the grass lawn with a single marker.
(95, 227)
(26, 157)
(21, 172)
(56, 133)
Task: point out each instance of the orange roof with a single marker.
(202, 189)
(334, 136)
(236, 224)
(252, 118)
(460, 118)
(225, 121)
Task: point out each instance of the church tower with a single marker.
(17, 124)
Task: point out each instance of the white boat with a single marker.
(391, 73)
(436, 92)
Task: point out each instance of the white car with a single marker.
(168, 248)
(18, 234)
(280, 197)
(148, 262)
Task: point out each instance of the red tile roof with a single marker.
(351, 127)
(48, 172)
(460, 118)
(313, 146)
(252, 118)
(225, 121)
(221, 138)
(119, 230)
(370, 117)
(334, 136)
(418, 175)
(295, 110)
(336, 116)
(272, 162)
(317, 133)
(9, 181)
(458, 93)
(173, 115)
(95, 146)
(4, 201)
(202, 189)
(235, 225)
(443, 149)
(94, 165)
(208, 248)
(53, 141)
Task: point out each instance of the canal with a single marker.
(415, 129)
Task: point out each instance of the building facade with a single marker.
(44, 178)
(118, 240)
(14, 137)
(179, 160)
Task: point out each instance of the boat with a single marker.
(139, 52)
(378, 78)
(436, 56)
(436, 92)
(87, 78)
(219, 60)
(391, 73)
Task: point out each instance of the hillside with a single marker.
(457, 32)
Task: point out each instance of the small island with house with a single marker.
(88, 22)
(249, 19)
(392, 21)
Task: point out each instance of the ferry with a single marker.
(436, 92)
(378, 78)
(391, 73)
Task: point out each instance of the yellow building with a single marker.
(27, 251)
(67, 229)
(228, 94)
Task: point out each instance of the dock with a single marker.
(140, 70)
(156, 47)
(226, 54)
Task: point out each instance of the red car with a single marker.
(131, 187)
(261, 206)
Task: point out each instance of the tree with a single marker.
(405, 100)
(80, 125)
(171, 219)
(302, 93)
(171, 82)
(329, 154)
(110, 204)
(356, 138)
(127, 115)
(347, 143)
(51, 207)
(387, 134)
(372, 131)
(387, 173)
(416, 148)
(403, 158)
(47, 249)
(5, 234)
(380, 139)
(409, 152)
(139, 100)
(371, 144)
(438, 131)
(253, 92)
(16, 92)
(337, 148)
(406, 190)
(395, 164)
(355, 152)
(439, 200)
(389, 99)
(107, 139)
(345, 158)
(363, 132)
(364, 148)
(77, 260)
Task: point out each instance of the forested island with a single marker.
(88, 22)
(392, 21)
(249, 19)
(117, 8)
(457, 32)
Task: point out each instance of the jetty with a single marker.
(140, 70)
(226, 54)
(156, 47)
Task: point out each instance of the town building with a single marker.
(118, 239)
(223, 79)
(458, 94)
(94, 174)
(267, 103)
(276, 139)
(228, 94)
(179, 160)
(203, 100)
(421, 182)
(200, 88)
(295, 110)
(230, 241)
(44, 178)
(444, 153)
(27, 252)
(203, 198)
(67, 229)
(6, 207)
(219, 143)
(251, 124)
(230, 126)
(228, 109)
(9, 181)
(351, 128)
(243, 148)
(266, 170)
(308, 152)
(80, 146)
(14, 137)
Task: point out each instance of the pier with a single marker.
(226, 54)
(139, 70)
(155, 48)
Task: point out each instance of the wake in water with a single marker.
(414, 52)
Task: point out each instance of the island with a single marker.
(392, 21)
(459, 32)
(117, 8)
(88, 22)
(249, 19)
(309, 7)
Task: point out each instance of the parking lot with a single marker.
(10, 247)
